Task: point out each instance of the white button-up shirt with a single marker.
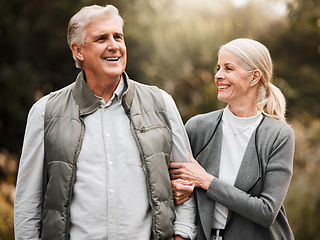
(110, 199)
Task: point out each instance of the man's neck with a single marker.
(103, 87)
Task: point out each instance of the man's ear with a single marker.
(256, 76)
(77, 51)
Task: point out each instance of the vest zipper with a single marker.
(73, 178)
(145, 129)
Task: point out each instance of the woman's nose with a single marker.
(218, 75)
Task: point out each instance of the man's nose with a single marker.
(112, 45)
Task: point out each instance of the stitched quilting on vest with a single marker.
(63, 137)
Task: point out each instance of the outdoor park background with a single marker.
(171, 44)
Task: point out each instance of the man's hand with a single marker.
(177, 237)
(181, 189)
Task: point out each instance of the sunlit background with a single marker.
(172, 44)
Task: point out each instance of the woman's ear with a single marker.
(256, 76)
(77, 51)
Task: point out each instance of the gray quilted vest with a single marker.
(63, 135)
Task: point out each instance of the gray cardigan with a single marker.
(255, 202)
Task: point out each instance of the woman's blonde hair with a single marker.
(77, 25)
(254, 55)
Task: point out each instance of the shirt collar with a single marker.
(230, 117)
(89, 102)
(120, 89)
(117, 94)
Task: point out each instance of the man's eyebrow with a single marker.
(101, 35)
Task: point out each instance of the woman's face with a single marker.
(232, 80)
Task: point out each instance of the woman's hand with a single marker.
(192, 172)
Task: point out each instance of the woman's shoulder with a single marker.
(274, 129)
(276, 125)
(204, 120)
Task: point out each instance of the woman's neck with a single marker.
(243, 111)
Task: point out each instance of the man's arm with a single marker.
(28, 199)
(184, 224)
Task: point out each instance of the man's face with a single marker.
(104, 51)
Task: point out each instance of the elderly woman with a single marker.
(244, 152)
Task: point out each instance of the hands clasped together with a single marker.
(186, 176)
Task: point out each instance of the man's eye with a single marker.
(118, 37)
(101, 39)
(229, 69)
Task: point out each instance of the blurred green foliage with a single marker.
(171, 44)
(303, 199)
(294, 44)
(6, 220)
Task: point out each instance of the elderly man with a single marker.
(94, 164)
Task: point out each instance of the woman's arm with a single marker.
(186, 176)
(262, 209)
(192, 172)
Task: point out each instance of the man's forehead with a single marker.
(102, 26)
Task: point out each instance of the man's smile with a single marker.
(112, 59)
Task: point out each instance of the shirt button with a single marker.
(110, 163)
(108, 134)
(111, 220)
(111, 190)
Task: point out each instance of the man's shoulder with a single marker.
(150, 91)
(61, 91)
(58, 101)
(144, 86)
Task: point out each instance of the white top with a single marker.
(236, 133)
(110, 194)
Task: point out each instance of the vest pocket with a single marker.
(154, 140)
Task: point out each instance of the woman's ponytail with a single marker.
(273, 104)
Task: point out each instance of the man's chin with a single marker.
(114, 74)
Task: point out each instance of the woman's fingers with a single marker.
(181, 183)
(176, 165)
